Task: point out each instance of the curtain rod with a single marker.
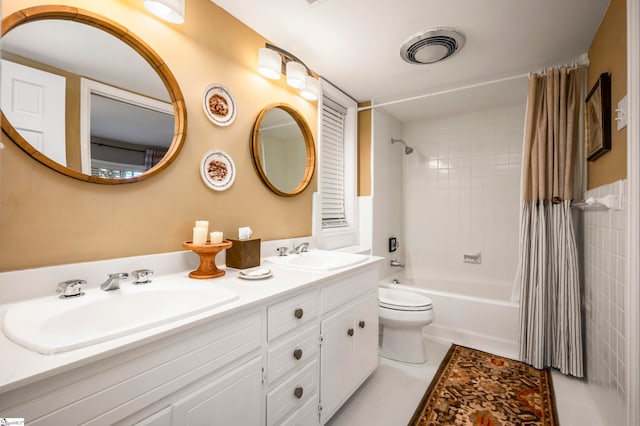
(443, 92)
(583, 60)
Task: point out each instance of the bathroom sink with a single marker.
(318, 260)
(52, 325)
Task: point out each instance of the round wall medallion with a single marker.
(219, 105)
(218, 170)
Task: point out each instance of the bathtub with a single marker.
(477, 315)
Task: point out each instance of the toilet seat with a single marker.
(403, 300)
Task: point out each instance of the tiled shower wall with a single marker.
(605, 265)
(462, 194)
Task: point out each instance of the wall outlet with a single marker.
(471, 257)
(621, 114)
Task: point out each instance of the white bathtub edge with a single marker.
(470, 339)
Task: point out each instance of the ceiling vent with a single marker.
(432, 46)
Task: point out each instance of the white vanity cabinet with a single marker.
(292, 358)
(292, 373)
(349, 349)
(179, 380)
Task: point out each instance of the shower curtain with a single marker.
(548, 274)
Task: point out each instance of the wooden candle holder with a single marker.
(207, 252)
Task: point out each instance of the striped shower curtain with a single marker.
(548, 274)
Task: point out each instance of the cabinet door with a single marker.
(337, 355)
(232, 399)
(366, 343)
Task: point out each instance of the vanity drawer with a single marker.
(291, 313)
(348, 288)
(292, 393)
(306, 415)
(292, 353)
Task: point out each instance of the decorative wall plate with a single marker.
(218, 170)
(219, 104)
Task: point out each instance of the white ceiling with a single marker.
(355, 44)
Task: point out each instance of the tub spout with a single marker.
(397, 263)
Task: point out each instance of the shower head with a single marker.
(407, 149)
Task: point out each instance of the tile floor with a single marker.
(392, 393)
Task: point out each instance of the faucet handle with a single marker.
(142, 276)
(71, 288)
(119, 276)
(282, 251)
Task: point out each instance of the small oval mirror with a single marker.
(113, 112)
(283, 150)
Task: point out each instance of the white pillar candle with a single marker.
(216, 237)
(203, 224)
(199, 236)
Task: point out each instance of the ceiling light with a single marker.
(169, 10)
(269, 63)
(311, 89)
(296, 73)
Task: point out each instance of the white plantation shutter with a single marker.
(332, 164)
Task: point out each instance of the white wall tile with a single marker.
(472, 204)
(604, 259)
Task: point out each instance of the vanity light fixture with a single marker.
(169, 10)
(298, 75)
(311, 89)
(296, 72)
(269, 63)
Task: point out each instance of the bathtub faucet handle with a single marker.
(397, 263)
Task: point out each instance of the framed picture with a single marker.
(598, 118)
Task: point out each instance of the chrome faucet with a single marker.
(142, 276)
(397, 263)
(113, 282)
(282, 251)
(301, 248)
(71, 288)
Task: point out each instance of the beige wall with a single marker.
(608, 53)
(364, 151)
(47, 218)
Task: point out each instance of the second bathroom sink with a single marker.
(318, 260)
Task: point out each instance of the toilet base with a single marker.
(403, 344)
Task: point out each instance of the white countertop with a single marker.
(21, 366)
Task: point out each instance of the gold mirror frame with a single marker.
(309, 149)
(121, 33)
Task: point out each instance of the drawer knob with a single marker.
(350, 332)
(361, 324)
(298, 392)
(298, 313)
(297, 354)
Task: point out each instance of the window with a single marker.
(332, 164)
(335, 223)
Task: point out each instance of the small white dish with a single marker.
(255, 274)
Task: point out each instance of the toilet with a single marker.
(403, 311)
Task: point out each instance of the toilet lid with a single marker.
(399, 299)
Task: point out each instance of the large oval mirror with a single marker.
(283, 150)
(84, 96)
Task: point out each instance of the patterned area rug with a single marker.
(480, 389)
